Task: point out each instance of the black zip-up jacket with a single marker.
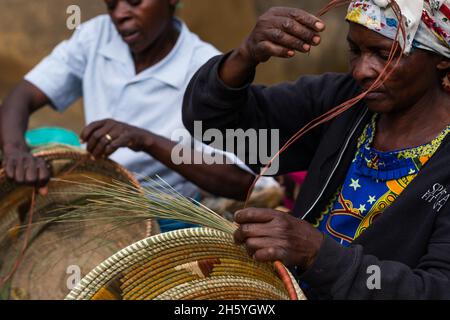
(409, 242)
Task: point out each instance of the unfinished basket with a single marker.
(56, 252)
(189, 264)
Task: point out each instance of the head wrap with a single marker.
(426, 22)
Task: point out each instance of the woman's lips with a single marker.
(130, 37)
(375, 95)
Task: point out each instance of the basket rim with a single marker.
(61, 152)
(104, 272)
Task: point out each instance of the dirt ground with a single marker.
(30, 29)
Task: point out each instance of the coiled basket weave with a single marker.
(55, 251)
(188, 264)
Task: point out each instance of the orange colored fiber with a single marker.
(336, 111)
(4, 280)
(286, 279)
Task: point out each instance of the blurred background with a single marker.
(30, 29)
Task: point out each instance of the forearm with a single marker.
(286, 107)
(14, 122)
(348, 273)
(15, 113)
(18, 163)
(236, 70)
(226, 180)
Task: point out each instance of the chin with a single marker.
(134, 48)
(137, 47)
(382, 106)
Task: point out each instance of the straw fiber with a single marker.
(56, 254)
(189, 264)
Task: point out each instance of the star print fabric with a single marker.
(374, 181)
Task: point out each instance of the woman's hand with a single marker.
(24, 168)
(280, 32)
(104, 137)
(271, 235)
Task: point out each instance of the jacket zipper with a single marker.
(337, 164)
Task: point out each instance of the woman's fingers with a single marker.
(287, 41)
(304, 18)
(267, 49)
(254, 245)
(35, 172)
(99, 139)
(90, 129)
(254, 215)
(110, 135)
(254, 223)
(265, 249)
(247, 231)
(19, 172)
(99, 146)
(30, 171)
(26, 169)
(284, 238)
(270, 254)
(43, 173)
(120, 142)
(282, 31)
(10, 167)
(109, 150)
(294, 33)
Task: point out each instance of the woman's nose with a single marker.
(121, 12)
(364, 68)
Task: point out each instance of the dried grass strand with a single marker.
(338, 110)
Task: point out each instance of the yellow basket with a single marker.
(188, 264)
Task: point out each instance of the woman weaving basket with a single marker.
(377, 191)
(131, 67)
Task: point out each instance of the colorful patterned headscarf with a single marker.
(427, 22)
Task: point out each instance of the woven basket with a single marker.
(52, 249)
(189, 264)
